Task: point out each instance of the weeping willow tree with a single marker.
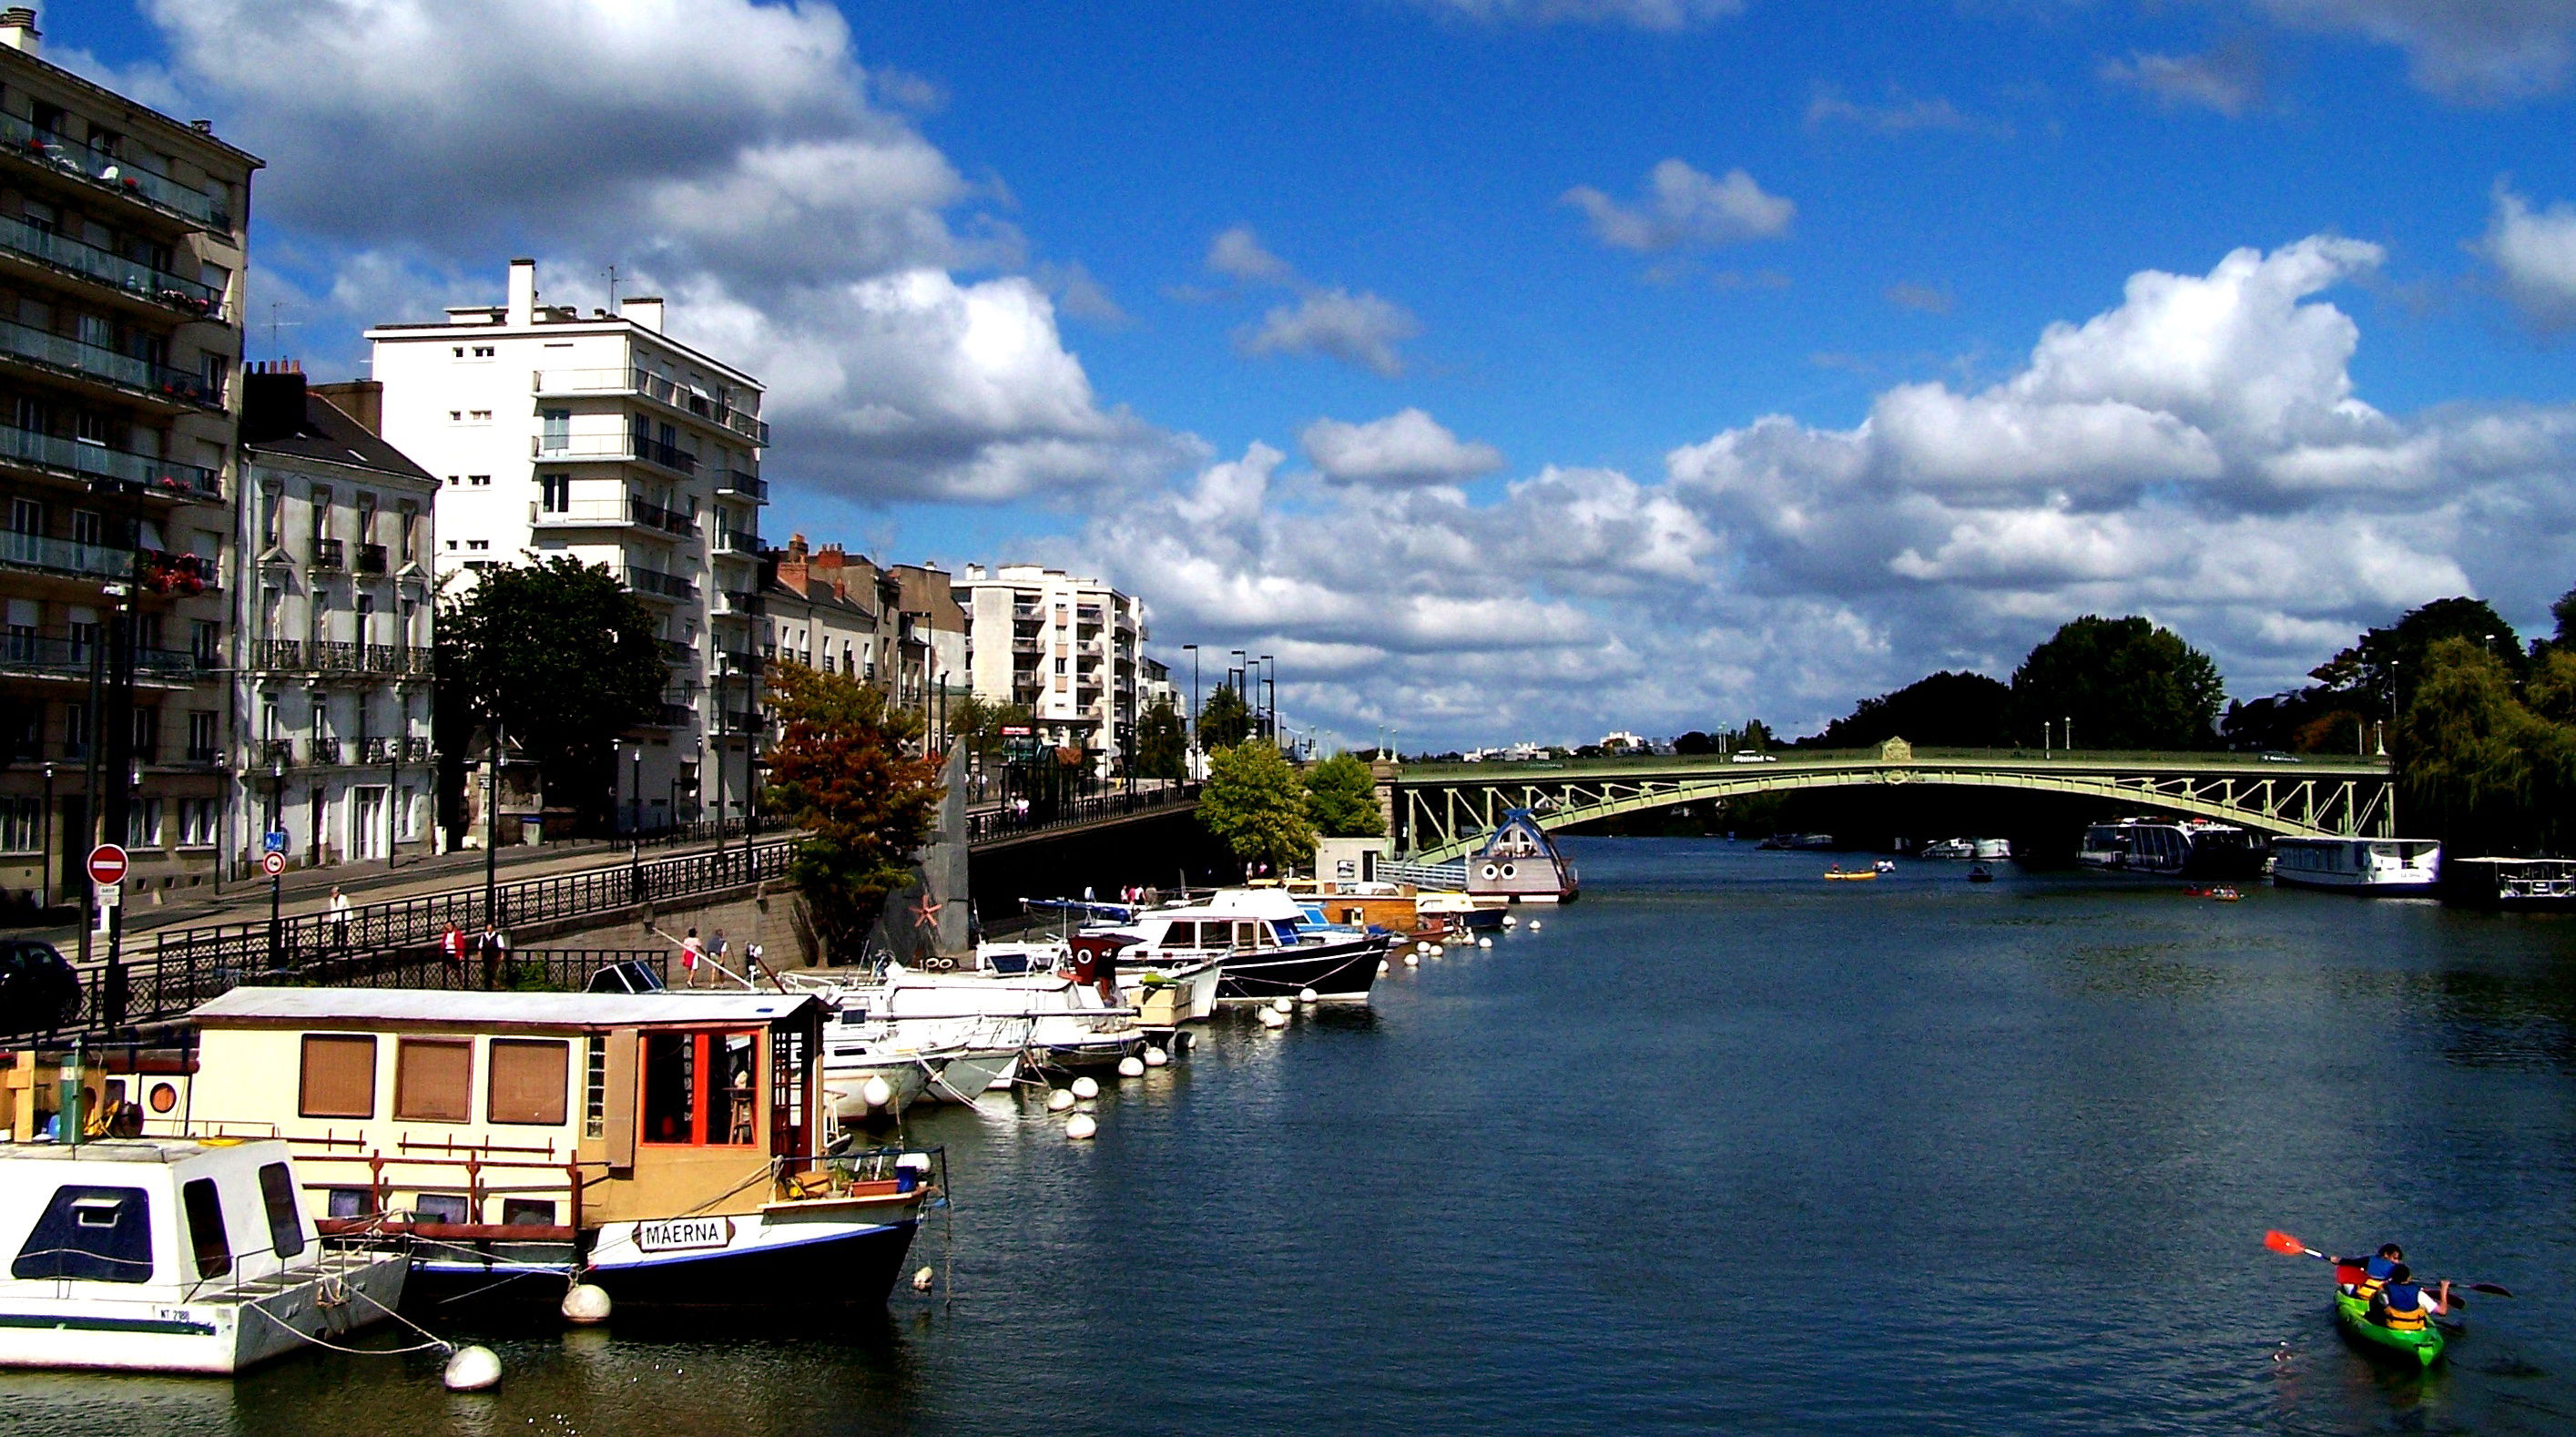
(2486, 764)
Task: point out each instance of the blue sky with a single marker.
(1429, 343)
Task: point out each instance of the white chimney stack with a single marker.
(523, 292)
(645, 311)
(18, 29)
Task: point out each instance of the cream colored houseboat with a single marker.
(661, 1145)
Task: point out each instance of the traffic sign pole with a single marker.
(108, 866)
(275, 863)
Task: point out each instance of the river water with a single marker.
(1721, 1147)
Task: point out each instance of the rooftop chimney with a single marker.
(18, 28)
(645, 311)
(523, 292)
(272, 401)
(361, 399)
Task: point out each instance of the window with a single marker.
(26, 516)
(351, 1202)
(670, 1087)
(701, 1088)
(147, 734)
(143, 823)
(93, 1234)
(201, 734)
(478, 416)
(219, 372)
(479, 481)
(90, 426)
(88, 527)
(339, 1079)
(478, 545)
(527, 1212)
(434, 1079)
(594, 1098)
(205, 642)
(556, 430)
(409, 532)
(197, 818)
(206, 1237)
(529, 1080)
(285, 1219)
(482, 351)
(557, 493)
(21, 824)
(75, 730)
(442, 1207)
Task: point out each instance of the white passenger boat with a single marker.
(173, 1255)
(2394, 866)
(2170, 848)
(1948, 848)
(1266, 943)
(1069, 1025)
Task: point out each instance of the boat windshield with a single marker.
(93, 1234)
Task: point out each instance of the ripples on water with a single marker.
(1723, 1148)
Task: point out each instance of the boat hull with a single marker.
(213, 1338)
(845, 1089)
(1337, 972)
(968, 1076)
(827, 1259)
(2421, 1349)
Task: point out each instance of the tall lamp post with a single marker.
(1270, 705)
(1193, 651)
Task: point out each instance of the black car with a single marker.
(38, 990)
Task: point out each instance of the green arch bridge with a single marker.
(1438, 812)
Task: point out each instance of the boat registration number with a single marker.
(681, 1233)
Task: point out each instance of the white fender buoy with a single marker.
(1282, 1005)
(1534, 925)
(1438, 951)
(1484, 942)
(1381, 967)
(925, 1279)
(1059, 1100)
(471, 1369)
(1081, 1126)
(1412, 960)
(1510, 922)
(1131, 1067)
(585, 1304)
(1086, 1087)
(1156, 1057)
(1273, 1018)
(1305, 995)
(877, 1091)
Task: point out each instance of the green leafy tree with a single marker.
(1225, 721)
(1756, 736)
(1254, 803)
(2126, 684)
(1161, 745)
(1341, 798)
(847, 770)
(1956, 710)
(562, 657)
(2387, 660)
(977, 724)
(2480, 768)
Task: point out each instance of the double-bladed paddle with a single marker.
(2288, 1246)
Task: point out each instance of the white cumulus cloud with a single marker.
(2534, 253)
(1684, 207)
(1406, 447)
(2480, 51)
(1643, 14)
(2228, 80)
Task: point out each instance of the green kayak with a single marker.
(2423, 1348)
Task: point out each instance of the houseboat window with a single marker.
(434, 1079)
(594, 1098)
(739, 1102)
(1181, 933)
(352, 1202)
(1246, 934)
(206, 1237)
(94, 1234)
(528, 1212)
(285, 1220)
(339, 1077)
(441, 1207)
(529, 1078)
(671, 1087)
(787, 1067)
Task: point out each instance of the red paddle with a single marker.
(2288, 1246)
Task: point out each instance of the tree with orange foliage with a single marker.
(849, 770)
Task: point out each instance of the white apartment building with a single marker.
(1065, 646)
(597, 436)
(334, 613)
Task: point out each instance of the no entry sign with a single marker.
(107, 865)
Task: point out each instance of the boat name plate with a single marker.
(678, 1234)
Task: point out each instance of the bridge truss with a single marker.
(1443, 817)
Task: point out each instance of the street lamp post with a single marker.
(45, 845)
(1193, 651)
(492, 825)
(277, 880)
(1270, 704)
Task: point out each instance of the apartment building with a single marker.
(121, 244)
(599, 437)
(1064, 646)
(335, 608)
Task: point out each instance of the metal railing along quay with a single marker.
(1006, 822)
(158, 990)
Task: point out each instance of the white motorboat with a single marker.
(1070, 1026)
(1992, 850)
(2394, 866)
(173, 1255)
(1948, 848)
(1263, 939)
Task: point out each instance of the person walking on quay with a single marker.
(689, 950)
(493, 947)
(451, 946)
(339, 919)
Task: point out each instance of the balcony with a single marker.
(748, 486)
(329, 555)
(324, 751)
(371, 558)
(1028, 646)
(740, 601)
(115, 174)
(334, 658)
(420, 663)
(71, 356)
(669, 521)
(277, 753)
(70, 658)
(277, 654)
(659, 584)
(383, 659)
(140, 281)
(415, 749)
(671, 715)
(372, 751)
(612, 448)
(674, 651)
(656, 388)
(734, 541)
(110, 471)
(61, 556)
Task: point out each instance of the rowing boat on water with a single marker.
(1861, 876)
(2423, 1346)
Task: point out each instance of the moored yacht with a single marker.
(2358, 865)
(2171, 848)
(1265, 942)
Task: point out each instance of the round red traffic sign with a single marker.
(272, 864)
(107, 864)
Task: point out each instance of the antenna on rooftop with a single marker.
(612, 289)
(274, 325)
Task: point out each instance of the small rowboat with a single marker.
(2423, 1348)
(1856, 876)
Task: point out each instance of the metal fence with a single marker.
(161, 990)
(376, 929)
(1009, 821)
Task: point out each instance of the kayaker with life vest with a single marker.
(2402, 1306)
(2374, 1270)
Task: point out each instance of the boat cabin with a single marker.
(160, 1219)
(541, 1113)
(1520, 863)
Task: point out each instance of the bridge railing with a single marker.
(1007, 821)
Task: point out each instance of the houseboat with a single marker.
(173, 1255)
(668, 1147)
(2390, 866)
(2171, 848)
(2511, 884)
(1521, 864)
